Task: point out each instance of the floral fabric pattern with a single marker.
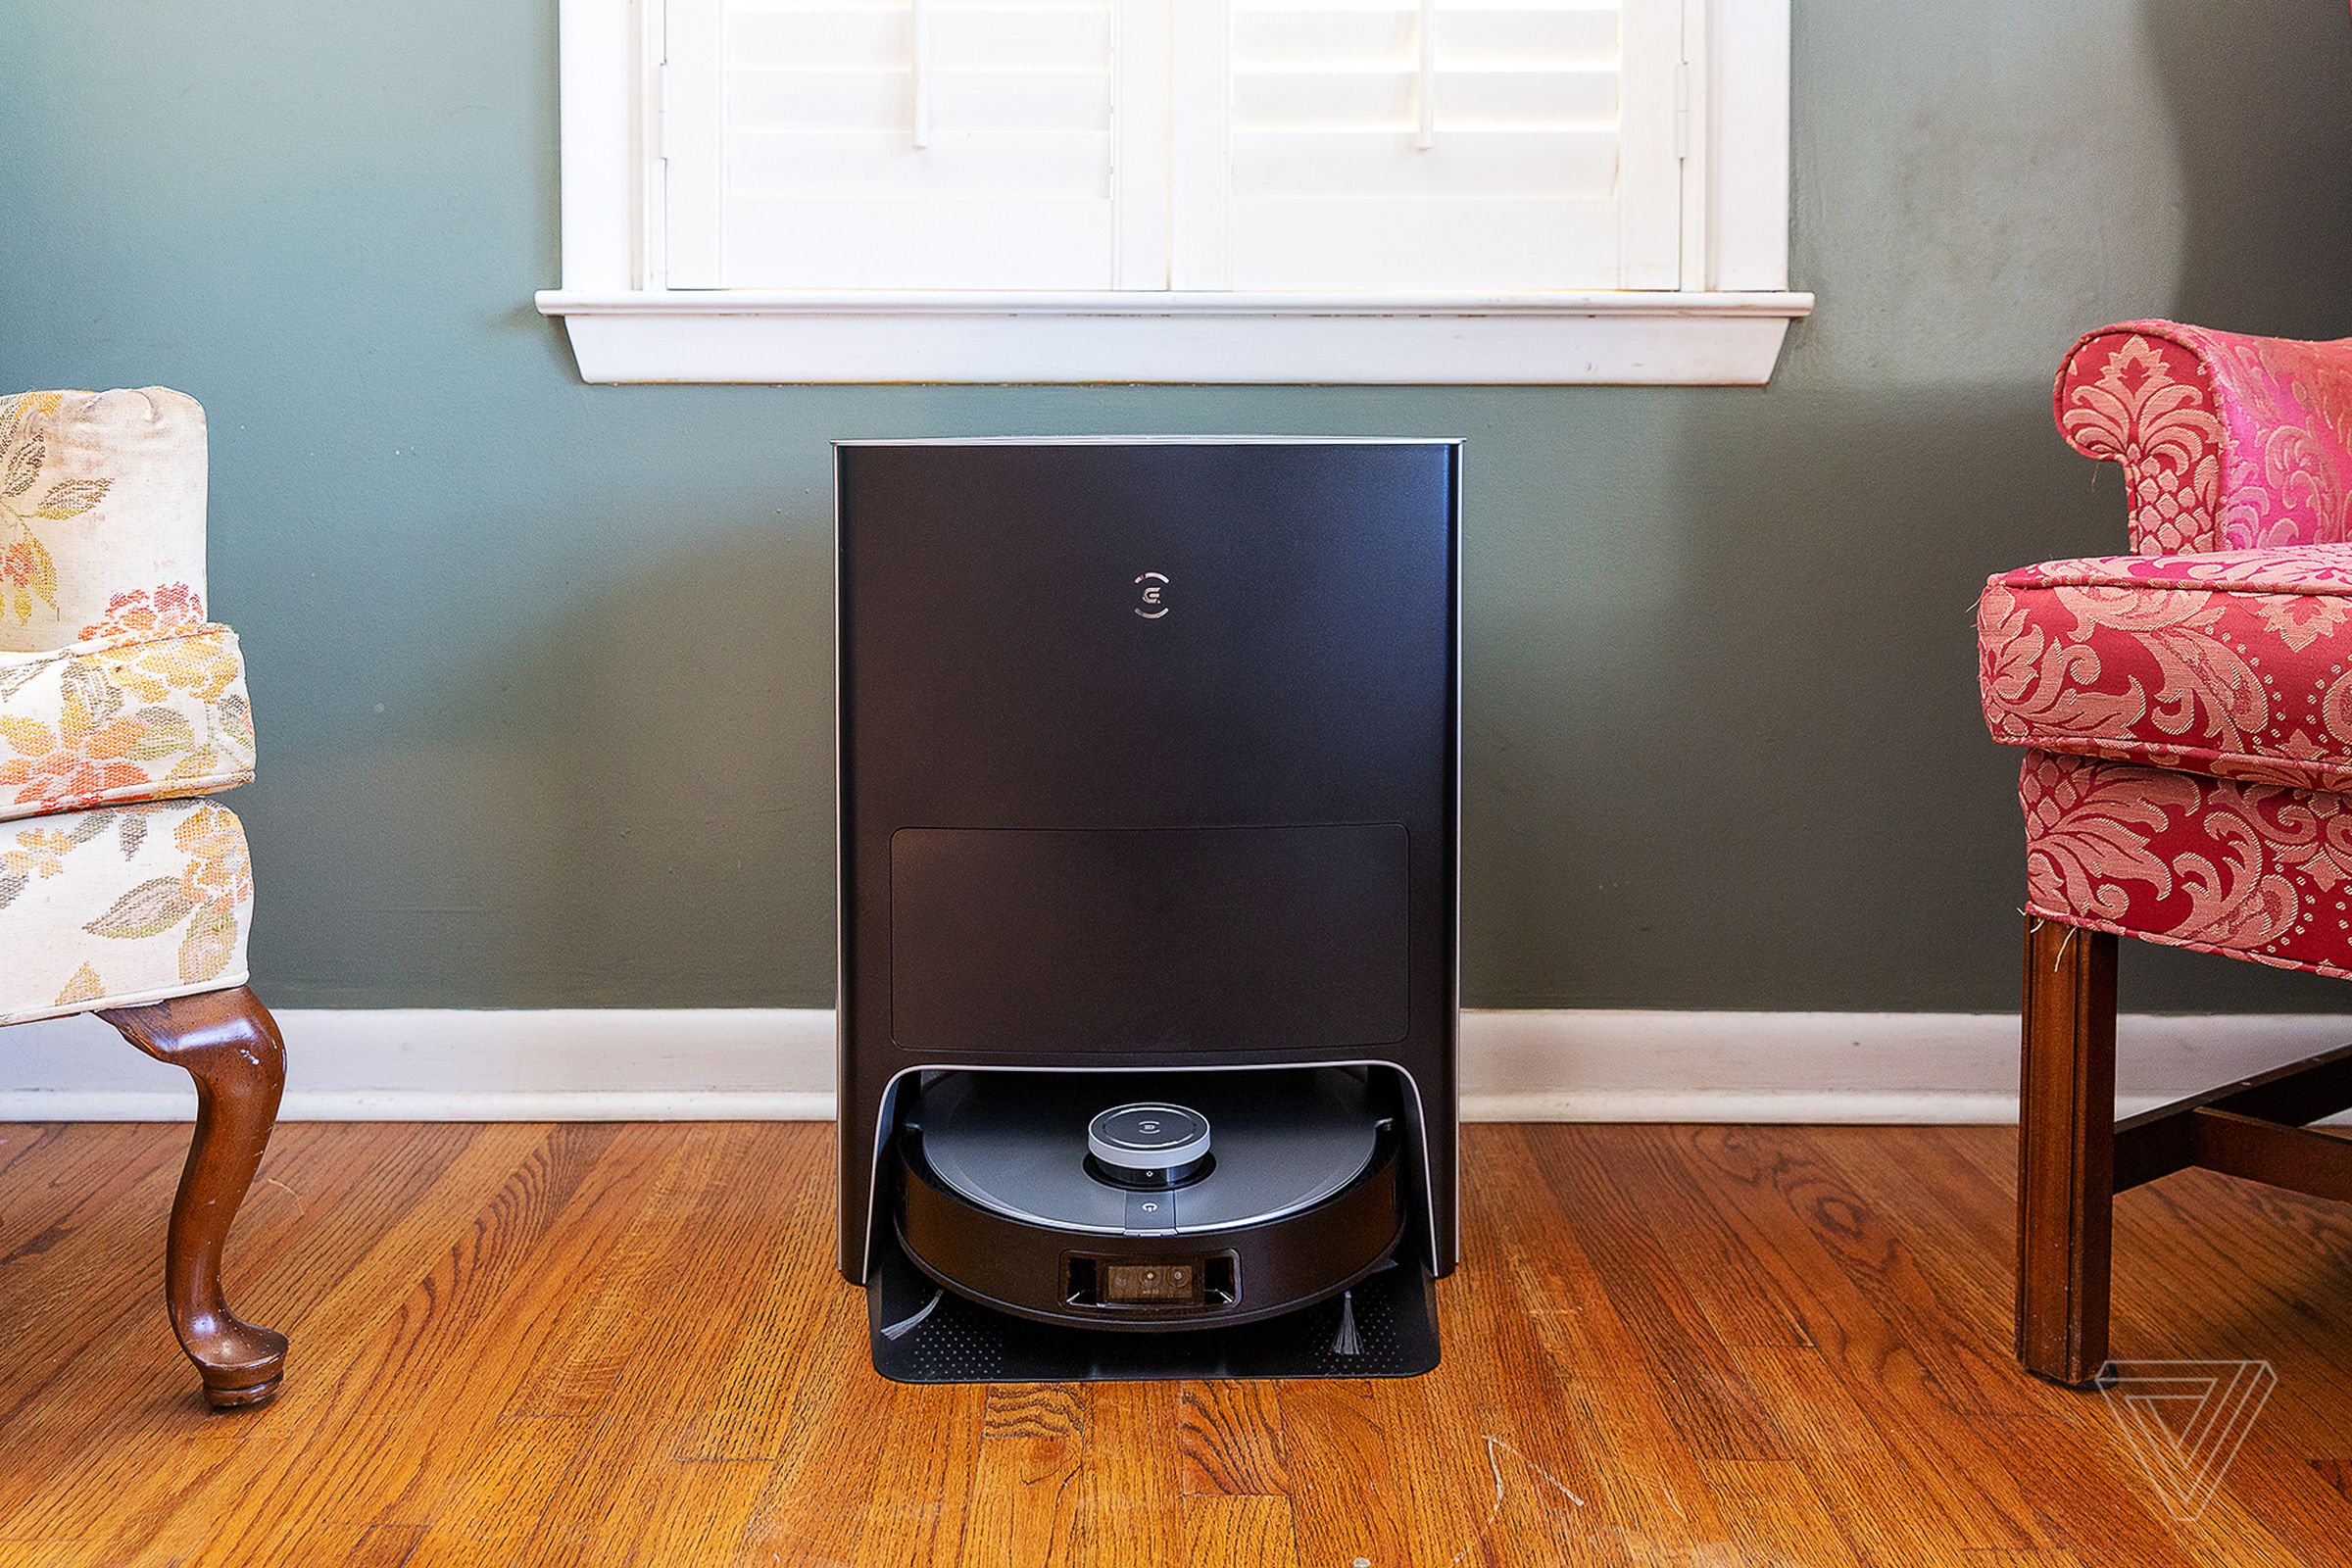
(2255, 871)
(2228, 442)
(130, 718)
(141, 614)
(121, 905)
(2237, 664)
(102, 495)
(31, 494)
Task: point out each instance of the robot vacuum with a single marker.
(1218, 1198)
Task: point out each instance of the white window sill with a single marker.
(1625, 338)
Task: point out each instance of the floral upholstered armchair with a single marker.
(123, 892)
(2185, 712)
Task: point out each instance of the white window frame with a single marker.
(1724, 327)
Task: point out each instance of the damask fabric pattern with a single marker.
(2228, 442)
(2234, 663)
(102, 494)
(2254, 871)
(124, 716)
(121, 906)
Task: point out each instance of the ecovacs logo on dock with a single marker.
(1152, 586)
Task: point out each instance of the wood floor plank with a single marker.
(597, 1329)
(828, 1452)
(1813, 1403)
(2278, 1511)
(1736, 1347)
(352, 1546)
(1133, 1482)
(1230, 1434)
(1446, 1506)
(2110, 1528)
(691, 1511)
(1641, 1483)
(1777, 1197)
(1874, 1311)
(921, 1491)
(57, 1555)
(1774, 1516)
(1342, 1471)
(1738, 1281)
(89, 1235)
(1034, 1410)
(627, 1487)
(439, 1305)
(168, 1510)
(1708, 1400)
(1800, 1204)
(589, 1172)
(72, 1184)
(746, 1411)
(1964, 1495)
(1028, 1496)
(1231, 1530)
(511, 1474)
(1493, 1441)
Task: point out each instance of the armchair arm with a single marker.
(2228, 442)
(101, 515)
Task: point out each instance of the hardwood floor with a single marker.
(1702, 1347)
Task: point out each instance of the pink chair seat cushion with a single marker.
(2236, 665)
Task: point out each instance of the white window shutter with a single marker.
(1429, 146)
(894, 144)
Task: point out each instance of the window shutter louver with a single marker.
(893, 144)
(1277, 146)
(1461, 145)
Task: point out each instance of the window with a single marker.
(1175, 190)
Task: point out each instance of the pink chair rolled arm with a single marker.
(2228, 442)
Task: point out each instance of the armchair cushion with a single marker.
(121, 905)
(2247, 870)
(157, 714)
(2236, 665)
(2228, 442)
(101, 494)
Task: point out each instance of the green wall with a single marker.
(542, 669)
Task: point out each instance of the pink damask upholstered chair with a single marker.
(123, 892)
(2185, 712)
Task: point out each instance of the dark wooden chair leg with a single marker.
(230, 1045)
(2066, 1151)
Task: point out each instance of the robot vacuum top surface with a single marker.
(1278, 1141)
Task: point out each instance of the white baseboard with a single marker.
(777, 1065)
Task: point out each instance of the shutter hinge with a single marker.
(661, 110)
(1681, 109)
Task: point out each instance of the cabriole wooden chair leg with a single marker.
(230, 1045)
(2066, 1151)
